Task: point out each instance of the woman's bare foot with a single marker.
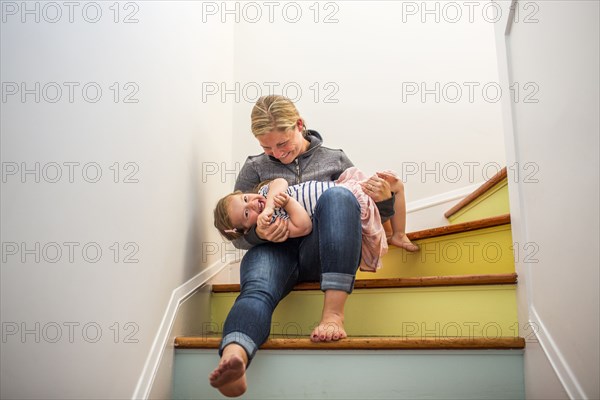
(401, 240)
(230, 375)
(331, 328)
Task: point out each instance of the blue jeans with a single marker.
(268, 272)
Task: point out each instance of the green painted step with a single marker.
(481, 251)
(459, 311)
(343, 374)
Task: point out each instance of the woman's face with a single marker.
(285, 146)
(244, 209)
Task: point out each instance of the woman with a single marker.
(274, 265)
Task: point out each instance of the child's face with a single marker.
(244, 209)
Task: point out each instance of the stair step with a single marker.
(356, 374)
(460, 311)
(425, 281)
(365, 343)
(480, 247)
(488, 200)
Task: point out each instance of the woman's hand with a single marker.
(377, 189)
(389, 176)
(276, 232)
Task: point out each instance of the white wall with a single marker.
(557, 215)
(363, 61)
(168, 134)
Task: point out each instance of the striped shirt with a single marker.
(306, 193)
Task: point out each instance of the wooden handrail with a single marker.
(425, 281)
(462, 227)
(478, 192)
(366, 343)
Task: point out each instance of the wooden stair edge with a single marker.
(426, 281)
(418, 235)
(461, 227)
(367, 343)
(478, 192)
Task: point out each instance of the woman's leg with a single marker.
(230, 375)
(267, 273)
(332, 251)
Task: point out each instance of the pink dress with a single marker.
(374, 241)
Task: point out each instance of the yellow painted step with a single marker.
(455, 311)
(490, 204)
(482, 251)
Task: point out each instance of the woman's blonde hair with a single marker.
(274, 112)
(222, 220)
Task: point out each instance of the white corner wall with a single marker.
(358, 70)
(554, 46)
(81, 325)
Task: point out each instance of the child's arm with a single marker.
(299, 223)
(275, 187)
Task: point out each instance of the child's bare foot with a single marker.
(401, 240)
(230, 375)
(331, 328)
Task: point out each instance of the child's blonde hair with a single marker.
(222, 220)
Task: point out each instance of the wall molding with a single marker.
(555, 357)
(178, 296)
(438, 199)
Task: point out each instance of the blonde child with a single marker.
(237, 212)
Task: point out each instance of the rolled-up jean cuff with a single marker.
(337, 281)
(243, 340)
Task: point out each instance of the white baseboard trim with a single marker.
(438, 199)
(556, 358)
(178, 296)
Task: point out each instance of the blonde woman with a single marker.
(329, 254)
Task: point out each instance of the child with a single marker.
(237, 212)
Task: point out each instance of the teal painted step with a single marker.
(389, 374)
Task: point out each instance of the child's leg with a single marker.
(399, 237)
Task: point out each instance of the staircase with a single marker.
(437, 324)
